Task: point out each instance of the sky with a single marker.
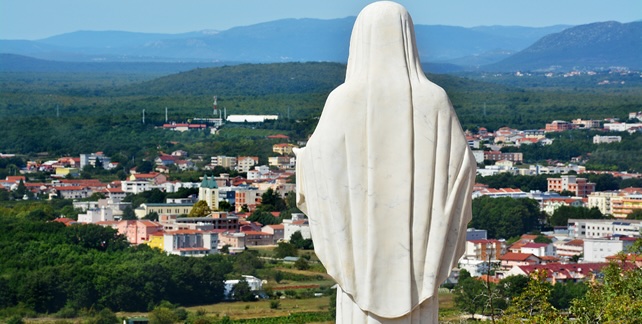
(37, 19)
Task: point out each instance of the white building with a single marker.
(255, 284)
(190, 242)
(298, 223)
(135, 187)
(250, 118)
(597, 139)
(95, 215)
(596, 250)
(208, 191)
(598, 228)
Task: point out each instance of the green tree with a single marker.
(301, 243)
(153, 216)
(302, 264)
(200, 209)
(506, 217)
(563, 213)
(532, 305)
(615, 297)
(162, 315)
(636, 214)
(469, 295)
(128, 213)
(242, 292)
(284, 249)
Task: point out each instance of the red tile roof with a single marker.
(511, 256)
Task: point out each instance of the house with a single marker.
(283, 148)
(137, 231)
(511, 259)
(569, 248)
(298, 223)
(538, 249)
(276, 230)
(560, 272)
(550, 205)
(256, 238)
(72, 192)
(154, 178)
(234, 240)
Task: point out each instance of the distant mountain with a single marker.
(20, 63)
(592, 46)
(284, 40)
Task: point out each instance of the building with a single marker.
(485, 250)
(569, 248)
(550, 205)
(163, 209)
(137, 231)
(283, 148)
(579, 186)
(255, 284)
(95, 215)
(516, 157)
(257, 238)
(277, 231)
(538, 249)
(250, 118)
(222, 222)
(208, 192)
(248, 196)
(228, 162)
(298, 223)
(512, 259)
(246, 163)
(602, 201)
(598, 228)
(598, 249)
(597, 139)
(235, 241)
(190, 242)
(476, 234)
(622, 206)
(560, 272)
(558, 126)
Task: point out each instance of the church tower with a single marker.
(208, 191)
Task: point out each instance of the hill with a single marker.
(285, 40)
(593, 46)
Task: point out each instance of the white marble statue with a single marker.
(386, 178)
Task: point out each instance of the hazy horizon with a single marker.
(37, 19)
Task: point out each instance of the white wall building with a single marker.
(95, 215)
(596, 250)
(598, 228)
(298, 223)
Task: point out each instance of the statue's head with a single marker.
(383, 34)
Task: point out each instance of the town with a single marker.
(240, 202)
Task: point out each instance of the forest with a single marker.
(55, 114)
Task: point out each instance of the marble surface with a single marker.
(386, 178)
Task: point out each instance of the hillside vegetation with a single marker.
(72, 113)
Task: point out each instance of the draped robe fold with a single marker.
(386, 178)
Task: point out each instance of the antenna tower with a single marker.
(143, 116)
(215, 106)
